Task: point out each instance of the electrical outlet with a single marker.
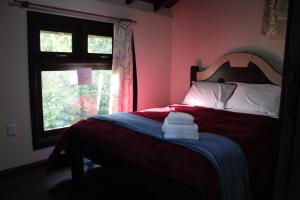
(11, 130)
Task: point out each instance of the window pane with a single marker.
(55, 41)
(65, 102)
(99, 44)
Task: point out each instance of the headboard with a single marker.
(238, 67)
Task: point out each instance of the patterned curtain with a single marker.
(275, 19)
(121, 99)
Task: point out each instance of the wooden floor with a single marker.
(99, 183)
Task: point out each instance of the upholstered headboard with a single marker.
(238, 67)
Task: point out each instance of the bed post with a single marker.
(77, 167)
(193, 74)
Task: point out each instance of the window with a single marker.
(65, 102)
(51, 41)
(99, 44)
(59, 47)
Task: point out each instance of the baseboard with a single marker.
(21, 168)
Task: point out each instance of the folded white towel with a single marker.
(180, 131)
(179, 122)
(180, 118)
(179, 128)
(177, 135)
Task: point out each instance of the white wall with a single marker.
(153, 53)
(203, 30)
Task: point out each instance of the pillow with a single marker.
(260, 99)
(209, 94)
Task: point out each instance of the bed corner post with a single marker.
(77, 167)
(193, 74)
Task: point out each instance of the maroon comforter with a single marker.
(257, 136)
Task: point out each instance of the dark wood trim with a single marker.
(41, 141)
(135, 82)
(255, 69)
(47, 61)
(128, 2)
(80, 28)
(227, 73)
(159, 4)
(92, 30)
(19, 169)
(288, 176)
(193, 74)
(47, 66)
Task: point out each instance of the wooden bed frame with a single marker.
(238, 67)
(234, 67)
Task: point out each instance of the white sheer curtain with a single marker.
(121, 99)
(275, 19)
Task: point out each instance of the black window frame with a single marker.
(88, 30)
(59, 56)
(59, 61)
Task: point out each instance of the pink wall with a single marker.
(204, 30)
(153, 57)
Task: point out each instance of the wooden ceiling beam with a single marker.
(128, 2)
(158, 4)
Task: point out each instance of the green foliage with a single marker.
(65, 102)
(99, 44)
(55, 41)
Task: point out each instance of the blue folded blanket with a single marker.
(225, 155)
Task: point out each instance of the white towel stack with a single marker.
(178, 125)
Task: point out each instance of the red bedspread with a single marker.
(257, 136)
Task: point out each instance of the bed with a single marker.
(257, 135)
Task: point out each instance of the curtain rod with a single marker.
(28, 5)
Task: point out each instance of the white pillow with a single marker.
(209, 94)
(260, 99)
